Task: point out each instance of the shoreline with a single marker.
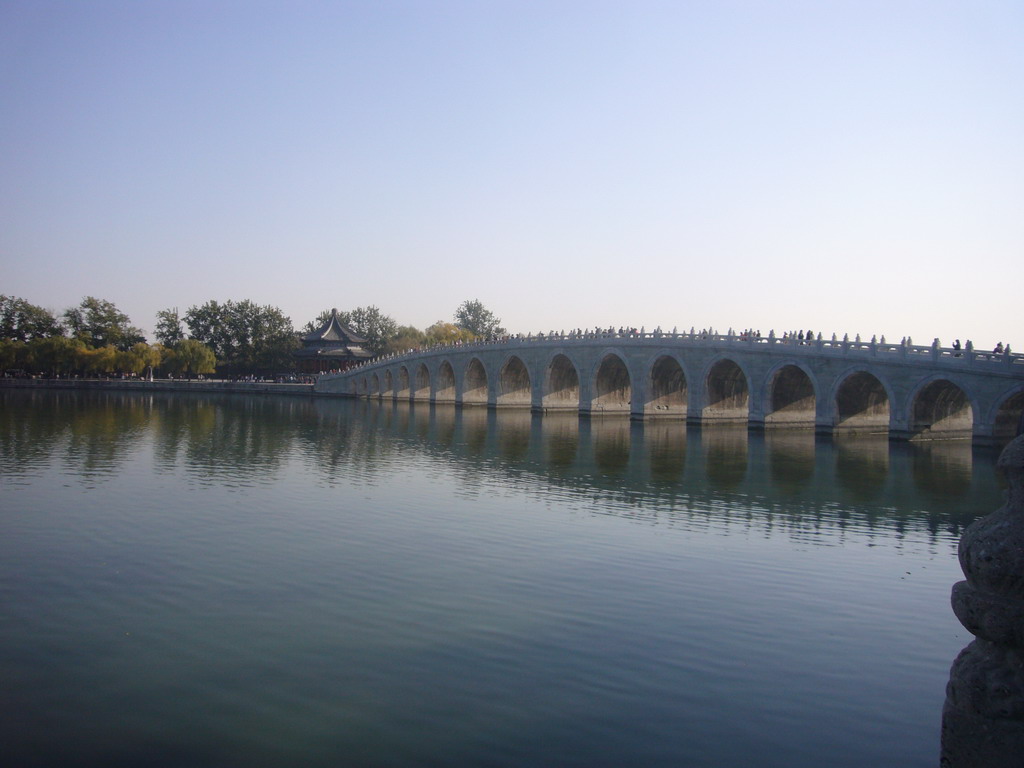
(169, 385)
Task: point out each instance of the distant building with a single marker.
(332, 347)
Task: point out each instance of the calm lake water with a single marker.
(232, 581)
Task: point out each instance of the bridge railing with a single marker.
(904, 350)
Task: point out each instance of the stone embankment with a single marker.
(165, 385)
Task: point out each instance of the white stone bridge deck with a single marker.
(913, 392)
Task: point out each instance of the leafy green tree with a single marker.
(13, 354)
(128, 362)
(139, 358)
(168, 329)
(98, 323)
(209, 324)
(21, 321)
(192, 357)
(156, 356)
(474, 317)
(446, 333)
(100, 360)
(55, 355)
(372, 324)
(166, 356)
(244, 336)
(406, 337)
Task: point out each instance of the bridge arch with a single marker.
(667, 394)
(389, 384)
(940, 408)
(445, 388)
(562, 384)
(514, 386)
(727, 392)
(1006, 419)
(404, 390)
(862, 403)
(421, 389)
(375, 386)
(612, 388)
(474, 383)
(790, 398)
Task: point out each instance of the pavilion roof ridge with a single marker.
(334, 330)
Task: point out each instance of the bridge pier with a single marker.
(899, 428)
(756, 420)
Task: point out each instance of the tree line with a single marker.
(229, 338)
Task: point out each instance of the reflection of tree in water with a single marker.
(862, 464)
(790, 458)
(560, 434)
(725, 455)
(610, 437)
(248, 438)
(179, 421)
(327, 437)
(345, 441)
(666, 447)
(93, 432)
(103, 431)
(31, 424)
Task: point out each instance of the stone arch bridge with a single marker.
(911, 392)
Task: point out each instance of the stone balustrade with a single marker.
(967, 355)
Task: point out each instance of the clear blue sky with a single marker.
(848, 166)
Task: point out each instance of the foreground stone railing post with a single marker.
(983, 718)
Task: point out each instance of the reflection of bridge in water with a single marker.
(661, 471)
(908, 392)
(664, 468)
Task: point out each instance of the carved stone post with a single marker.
(983, 718)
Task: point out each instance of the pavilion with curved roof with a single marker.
(332, 347)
